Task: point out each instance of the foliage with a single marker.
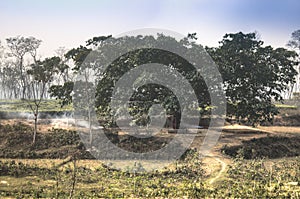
(19, 169)
(43, 71)
(62, 93)
(19, 47)
(295, 40)
(253, 75)
(40, 73)
(152, 94)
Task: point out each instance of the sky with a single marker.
(69, 23)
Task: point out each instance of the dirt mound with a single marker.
(266, 147)
(16, 142)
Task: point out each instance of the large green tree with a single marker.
(253, 75)
(130, 60)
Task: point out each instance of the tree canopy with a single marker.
(253, 75)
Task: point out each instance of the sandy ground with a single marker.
(280, 129)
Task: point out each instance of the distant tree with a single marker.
(77, 55)
(253, 75)
(19, 47)
(295, 40)
(63, 92)
(1, 53)
(294, 43)
(40, 74)
(2, 74)
(10, 81)
(63, 68)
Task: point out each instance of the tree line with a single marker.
(254, 75)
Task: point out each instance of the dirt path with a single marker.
(220, 172)
(216, 164)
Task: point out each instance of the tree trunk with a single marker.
(72, 191)
(35, 129)
(23, 84)
(90, 128)
(35, 125)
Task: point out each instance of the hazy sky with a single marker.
(70, 23)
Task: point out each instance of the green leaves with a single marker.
(43, 71)
(295, 40)
(62, 92)
(253, 75)
(78, 55)
(19, 46)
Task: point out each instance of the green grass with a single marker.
(26, 180)
(286, 106)
(257, 178)
(185, 178)
(23, 106)
(261, 178)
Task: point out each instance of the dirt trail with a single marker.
(216, 163)
(221, 171)
(215, 167)
(234, 134)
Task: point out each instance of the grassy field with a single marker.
(47, 170)
(23, 106)
(247, 162)
(259, 178)
(53, 105)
